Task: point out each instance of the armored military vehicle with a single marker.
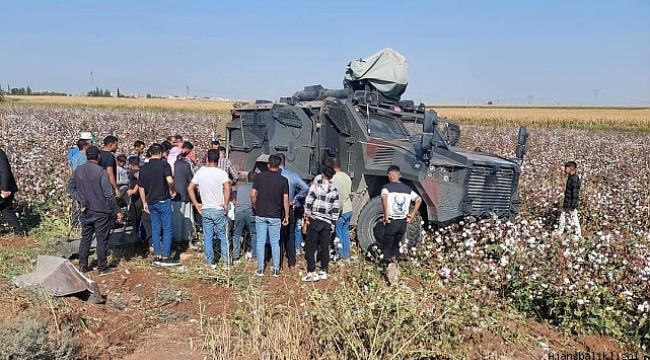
(363, 126)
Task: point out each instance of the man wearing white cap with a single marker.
(82, 144)
(74, 151)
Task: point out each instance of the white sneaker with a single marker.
(322, 275)
(248, 255)
(167, 263)
(311, 277)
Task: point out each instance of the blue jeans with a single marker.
(214, 223)
(298, 214)
(343, 233)
(161, 220)
(244, 218)
(268, 227)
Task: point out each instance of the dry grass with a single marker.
(629, 119)
(140, 103)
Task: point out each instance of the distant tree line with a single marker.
(28, 91)
(99, 92)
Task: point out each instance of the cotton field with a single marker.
(600, 281)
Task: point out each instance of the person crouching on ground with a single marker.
(8, 190)
(214, 188)
(396, 199)
(91, 187)
(157, 188)
(571, 199)
(322, 209)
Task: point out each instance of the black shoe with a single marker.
(276, 273)
(83, 269)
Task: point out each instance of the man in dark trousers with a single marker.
(322, 209)
(91, 187)
(8, 190)
(396, 198)
(571, 199)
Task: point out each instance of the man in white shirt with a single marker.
(396, 199)
(214, 187)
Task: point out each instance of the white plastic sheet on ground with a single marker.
(60, 278)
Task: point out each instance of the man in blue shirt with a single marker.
(80, 157)
(297, 191)
(74, 151)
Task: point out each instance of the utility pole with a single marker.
(92, 80)
(596, 92)
(530, 99)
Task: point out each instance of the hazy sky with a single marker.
(458, 52)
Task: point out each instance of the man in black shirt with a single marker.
(108, 162)
(156, 190)
(140, 219)
(571, 199)
(270, 200)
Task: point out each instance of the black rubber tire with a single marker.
(370, 227)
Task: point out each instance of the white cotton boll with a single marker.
(504, 261)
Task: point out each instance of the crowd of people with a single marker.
(170, 197)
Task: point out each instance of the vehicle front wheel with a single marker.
(370, 228)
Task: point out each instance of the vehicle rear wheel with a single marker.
(370, 227)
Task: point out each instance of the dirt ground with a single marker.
(153, 313)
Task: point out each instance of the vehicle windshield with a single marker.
(383, 127)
